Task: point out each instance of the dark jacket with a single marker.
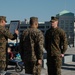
(55, 41)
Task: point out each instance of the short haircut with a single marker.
(3, 18)
(33, 19)
(53, 19)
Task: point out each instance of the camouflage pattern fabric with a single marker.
(32, 68)
(4, 35)
(31, 42)
(55, 44)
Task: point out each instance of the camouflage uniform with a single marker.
(4, 35)
(55, 44)
(31, 42)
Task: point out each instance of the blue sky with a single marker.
(43, 9)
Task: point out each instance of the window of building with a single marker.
(41, 27)
(71, 22)
(62, 26)
(47, 26)
(23, 26)
(67, 22)
(66, 27)
(62, 21)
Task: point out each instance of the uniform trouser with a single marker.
(32, 68)
(2, 60)
(54, 65)
(2, 65)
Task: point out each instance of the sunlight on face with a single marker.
(2, 22)
(54, 24)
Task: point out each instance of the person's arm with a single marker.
(40, 46)
(64, 43)
(11, 55)
(46, 41)
(8, 34)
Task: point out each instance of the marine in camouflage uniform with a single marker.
(56, 45)
(31, 42)
(4, 35)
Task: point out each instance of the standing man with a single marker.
(56, 45)
(31, 42)
(4, 35)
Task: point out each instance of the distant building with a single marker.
(43, 26)
(66, 22)
(26, 21)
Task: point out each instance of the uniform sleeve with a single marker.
(8, 34)
(46, 41)
(40, 45)
(22, 37)
(64, 42)
(21, 49)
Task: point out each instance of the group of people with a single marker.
(32, 43)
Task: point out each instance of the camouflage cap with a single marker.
(3, 18)
(33, 19)
(53, 19)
